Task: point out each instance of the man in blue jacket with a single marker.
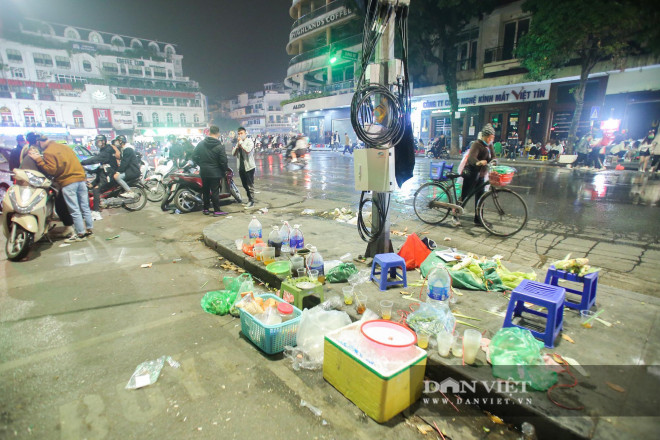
(211, 157)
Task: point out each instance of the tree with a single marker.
(435, 27)
(565, 31)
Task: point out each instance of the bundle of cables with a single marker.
(380, 113)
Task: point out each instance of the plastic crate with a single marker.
(270, 339)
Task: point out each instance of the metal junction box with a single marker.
(374, 170)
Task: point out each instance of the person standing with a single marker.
(61, 162)
(210, 155)
(15, 155)
(481, 152)
(347, 145)
(244, 152)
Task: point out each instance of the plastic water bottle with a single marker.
(315, 262)
(285, 230)
(439, 286)
(254, 229)
(274, 240)
(528, 431)
(296, 239)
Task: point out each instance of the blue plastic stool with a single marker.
(588, 293)
(389, 263)
(540, 294)
(439, 170)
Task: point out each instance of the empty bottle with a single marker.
(254, 229)
(274, 240)
(315, 262)
(296, 239)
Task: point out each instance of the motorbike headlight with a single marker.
(25, 209)
(35, 180)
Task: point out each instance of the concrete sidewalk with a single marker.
(632, 340)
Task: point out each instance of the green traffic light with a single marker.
(333, 59)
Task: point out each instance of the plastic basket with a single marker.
(497, 179)
(270, 339)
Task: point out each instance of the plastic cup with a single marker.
(361, 305)
(268, 255)
(313, 275)
(386, 309)
(587, 318)
(239, 244)
(457, 348)
(445, 341)
(354, 279)
(348, 295)
(423, 340)
(301, 272)
(471, 345)
(258, 250)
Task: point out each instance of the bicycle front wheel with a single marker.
(502, 212)
(425, 208)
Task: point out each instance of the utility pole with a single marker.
(385, 54)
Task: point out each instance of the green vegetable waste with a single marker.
(477, 275)
(340, 273)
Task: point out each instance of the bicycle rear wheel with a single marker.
(425, 209)
(502, 212)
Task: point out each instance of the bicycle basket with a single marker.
(501, 175)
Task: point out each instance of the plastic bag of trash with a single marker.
(432, 319)
(340, 273)
(315, 323)
(218, 302)
(516, 355)
(147, 372)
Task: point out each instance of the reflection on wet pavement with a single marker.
(621, 201)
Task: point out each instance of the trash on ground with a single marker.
(218, 302)
(565, 337)
(308, 212)
(616, 387)
(263, 210)
(147, 372)
(317, 412)
(177, 260)
(146, 265)
(447, 239)
(65, 245)
(112, 238)
(341, 273)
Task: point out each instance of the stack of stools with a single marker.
(389, 265)
(588, 293)
(291, 285)
(539, 294)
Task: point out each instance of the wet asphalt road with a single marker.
(622, 202)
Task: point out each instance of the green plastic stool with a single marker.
(289, 285)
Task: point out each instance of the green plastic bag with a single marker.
(516, 355)
(340, 273)
(218, 302)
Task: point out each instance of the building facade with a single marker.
(492, 88)
(324, 42)
(71, 82)
(261, 112)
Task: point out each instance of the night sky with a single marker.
(228, 46)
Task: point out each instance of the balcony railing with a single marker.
(318, 12)
(323, 50)
(495, 54)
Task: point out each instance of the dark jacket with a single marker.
(106, 156)
(478, 151)
(15, 157)
(130, 165)
(211, 157)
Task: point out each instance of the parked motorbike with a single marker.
(438, 152)
(28, 209)
(110, 197)
(185, 190)
(155, 185)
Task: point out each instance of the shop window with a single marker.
(170, 119)
(182, 119)
(50, 117)
(78, 120)
(6, 116)
(28, 115)
(196, 118)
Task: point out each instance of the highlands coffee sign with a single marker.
(321, 21)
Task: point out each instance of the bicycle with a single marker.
(501, 211)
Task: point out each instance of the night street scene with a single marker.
(329, 219)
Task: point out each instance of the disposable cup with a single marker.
(471, 345)
(457, 348)
(268, 255)
(239, 244)
(587, 318)
(301, 272)
(313, 274)
(386, 309)
(445, 341)
(361, 305)
(258, 250)
(354, 279)
(423, 340)
(348, 295)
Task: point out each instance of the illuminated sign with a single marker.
(496, 95)
(323, 20)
